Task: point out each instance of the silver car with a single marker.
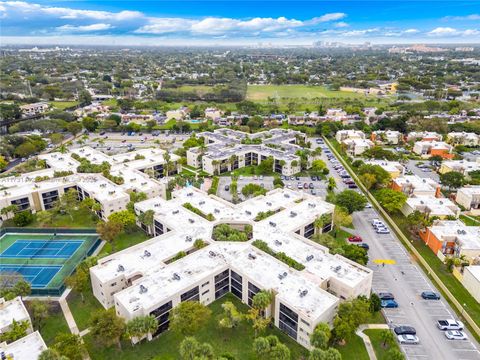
(408, 339)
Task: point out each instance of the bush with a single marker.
(23, 218)
(262, 245)
(213, 189)
(199, 212)
(224, 232)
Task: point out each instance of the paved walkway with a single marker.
(366, 339)
(67, 313)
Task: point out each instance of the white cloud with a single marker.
(85, 28)
(471, 32)
(439, 31)
(462, 18)
(411, 31)
(329, 17)
(341, 24)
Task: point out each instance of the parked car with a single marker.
(405, 330)
(368, 206)
(313, 178)
(355, 238)
(260, 177)
(430, 295)
(449, 324)
(408, 339)
(102, 133)
(310, 186)
(364, 245)
(455, 335)
(313, 192)
(389, 304)
(305, 186)
(352, 186)
(386, 296)
(254, 177)
(382, 231)
(227, 188)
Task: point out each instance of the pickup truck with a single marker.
(449, 324)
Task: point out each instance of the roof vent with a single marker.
(283, 275)
(278, 242)
(201, 202)
(310, 257)
(190, 194)
(157, 205)
(191, 221)
(188, 238)
(143, 289)
(311, 205)
(336, 268)
(303, 293)
(248, 212)
(272, 224)
(120, 268)
(216, 211)
(147, 253)
(212, 253)
(287, 196)
(174, 212)
(293, 214)
(252, 256)
(176, 276)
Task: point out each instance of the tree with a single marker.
(44, 217)
(320, 336)
(74, 128)
(231, 316)
(66, 203)
(51, 354)
(79, 281)
(318, 165)
(329, 354)
(253, 189)
(351, 200)
(9, 210)
(375, 175)
(23, 218)
(452, 179)
(124, 217)
(85, 98)
(18, 329)
(341, 217)
(107, 327)
(188, 317)
(70, 346)
(270, 348)
(109, 231)
(416, 221)
(141, 326)
(331, 183)
(349, 316)
(387, 338)
(191, 349)
(375, 303)
(39, 311)
(260, 302)
(90, 124)
(390, 199)
(395, 354)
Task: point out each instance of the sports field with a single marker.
(263, 92)
(44, 260)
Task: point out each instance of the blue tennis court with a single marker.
(37, 276)
(41, 249)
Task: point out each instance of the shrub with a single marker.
(23, 218)
(199, 212)
(262, 245)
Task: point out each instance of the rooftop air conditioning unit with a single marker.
(188, 238)
(201, 203)
(191, 221)
(157, 205)
(293, 214)
(176, 276)
(287, 196)
(252, 256)
(283, 275)
(143, 289)
(310, 257)
(212, 253)
(278, 242)
(303, 293)
(272, 224)
(175, 212)
(120, 268)
(147, 253)
(248, 212)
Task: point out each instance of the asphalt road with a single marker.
(406, 287)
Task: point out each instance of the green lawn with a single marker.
(55, 323)
(82, 310)
(237, 342)
(354, 349)
(124, 241)
(81, 218)
(470, 220)
(63, 104)
(376, 339)
(263, 92)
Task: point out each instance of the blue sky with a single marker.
(152, 22)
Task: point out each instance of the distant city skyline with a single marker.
(208, 23)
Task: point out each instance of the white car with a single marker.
(383, 230)
(408, 339)
(449, 324)
(455, 335)
(261, 177)
(368, 206)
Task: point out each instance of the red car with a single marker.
(355, 239)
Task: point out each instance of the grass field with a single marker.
(198, 89)
(354, 349)
(55, 323)
(263, 92)
(82, 310)
(63, 104)
(238, 341)
(376, 339)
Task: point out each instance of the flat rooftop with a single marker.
(27, 348)
(436, 206)
(448, 230)
(417, 182)
(12, 310)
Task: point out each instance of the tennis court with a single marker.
(44, 257)
(40, 249)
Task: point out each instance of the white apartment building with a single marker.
(463, 138)
(143, 279)
(424, 136)
(394, 168)
(414, 185)
(11, 310)
(469, 198)
(27, 348)
(471, 280)
(431, 148)
(227, 150)
(342, 135)
(34, 109)
(389, 137)
(432, 206)
(453, 237)
(141, 170)
(461, 166)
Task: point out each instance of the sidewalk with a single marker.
(67, 313)
(366, 339)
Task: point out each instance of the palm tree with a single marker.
(215, 167)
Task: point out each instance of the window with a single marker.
(252, 291)
(113, 284)
(288, 321)
(221, 276)
(191, 295)
(206, 283)
(306, 323)
(236, 284)
(205, 292)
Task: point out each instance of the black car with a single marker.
(430, 295)
(386, 296)
(227, 188)
(405, 330)
(364, 245)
